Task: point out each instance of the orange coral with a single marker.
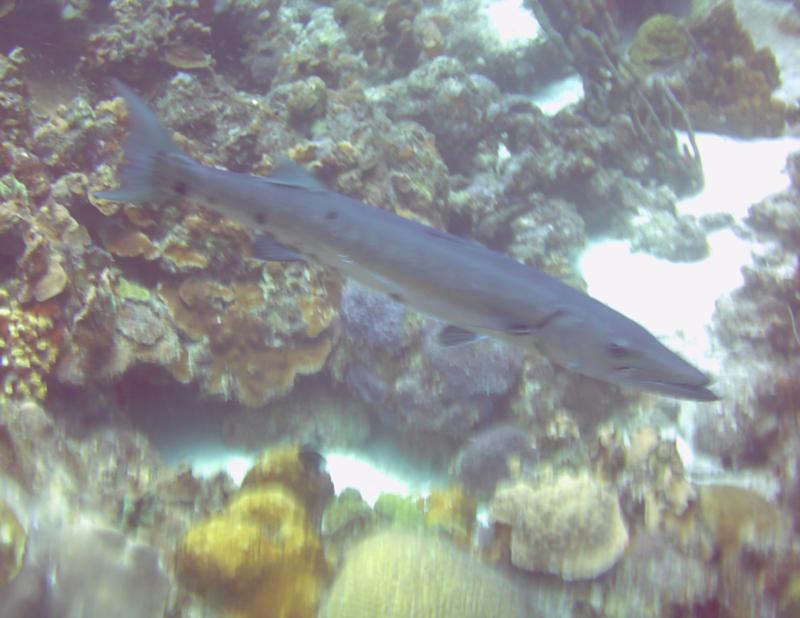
(131, 243)
(248, 361)
(183, 256)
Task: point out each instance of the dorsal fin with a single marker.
(289, 174)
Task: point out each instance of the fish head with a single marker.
(610, 347)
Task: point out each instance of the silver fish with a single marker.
(473, 289)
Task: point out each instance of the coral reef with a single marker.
(570, 525)
(259, 557)
(451, 104)
(493, 455)
(315, 414)
(127, 578)
(262, 555)
(297, 469)
(415, 107)
(29, 345)
(78, 500)
(615, 95)
(752, 537)
(727, 88)
(649, 474)
(451, 512)
(14, 108)
(346, 520)
(392, 360)
(249, 357)
(395, 574)
(757, 324)
(13, 541)
(654, 578)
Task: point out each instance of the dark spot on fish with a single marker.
(261, 218)
(395, 296)
(331, 215)
(181, 188)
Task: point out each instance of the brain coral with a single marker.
(569, 526)
(402, 575)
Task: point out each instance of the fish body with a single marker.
(475, 290)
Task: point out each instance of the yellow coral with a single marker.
(295, 469)
(259, 558)
(30, 343)
(452, 512)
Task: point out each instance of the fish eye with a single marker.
(617, 350)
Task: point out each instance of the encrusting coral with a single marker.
(262, 556)
(570, 526)
(250, 357)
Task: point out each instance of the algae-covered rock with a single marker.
(13, 541)
(569, 526)
(403, 575)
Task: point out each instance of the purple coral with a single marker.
(371, 318)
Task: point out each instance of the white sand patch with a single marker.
(676, 300)
(514, 23)
(556, 96)
(356, 471)
(213, 459)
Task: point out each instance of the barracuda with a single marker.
(474, 290)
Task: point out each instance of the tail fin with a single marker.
(147, 143)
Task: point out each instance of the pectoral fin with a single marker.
(452, 335)
(289, 174)
(269, 250)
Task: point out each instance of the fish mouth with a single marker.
(694, 392)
